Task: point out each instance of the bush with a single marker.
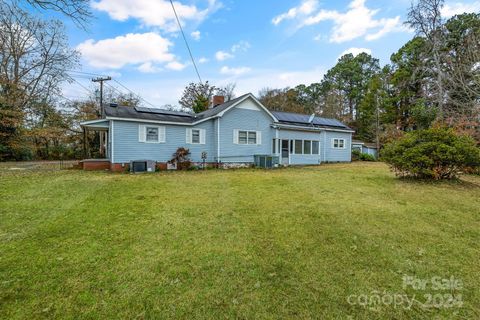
(367, 157)
(436, 153)
(356, 154)
(182, 158)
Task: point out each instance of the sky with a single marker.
(255, 44)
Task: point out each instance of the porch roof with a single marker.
(100, 124)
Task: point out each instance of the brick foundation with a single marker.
(91, 165)
(117, 167)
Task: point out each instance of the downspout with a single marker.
(111, 141)
(324, 146)
(218, 140)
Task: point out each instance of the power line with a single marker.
(186, 42)
(131, 91)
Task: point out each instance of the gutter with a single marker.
(287, 126)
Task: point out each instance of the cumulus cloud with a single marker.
(196, 35)
(234, 71)
(202, 60)
(358, 21)
(305, 8)
(155, 13)
(451, 9)
(241, 46)
(147, 50)
(223, 55)
(355, 51)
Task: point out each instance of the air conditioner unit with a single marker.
(138, 166)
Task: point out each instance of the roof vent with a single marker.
(113, 105)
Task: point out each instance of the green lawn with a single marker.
(287, 243)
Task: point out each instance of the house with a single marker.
(231, 133)
(365, 147)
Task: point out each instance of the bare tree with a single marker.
(34, 55)
(426, 19)
(78, 10)
(228, 91)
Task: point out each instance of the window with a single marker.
(315, 147)
(338, 143)
(152, 134)
(274, 141)
(242, 137)
(307, 147)
(195, 136)
(298, 147)
(246, 137)
(252, 137)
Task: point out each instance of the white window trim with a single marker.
(303, 147)
(142, 133)
(189, 136)
(236, 137)
(339, 139)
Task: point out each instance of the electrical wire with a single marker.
(186, 42)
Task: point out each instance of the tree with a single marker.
(195, 94)
(436, 153)
(78, 10)
(426, 19)
(228, 91)
(285, 99)
(34, 59)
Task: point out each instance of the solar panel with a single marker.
(162, 111)
(303, 118)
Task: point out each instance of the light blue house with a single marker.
(230, 133)
(365, 147)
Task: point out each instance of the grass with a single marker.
(287, 243)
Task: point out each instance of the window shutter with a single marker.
(161, 134)
(202, 136)
(235, 136)
(259, 137)
(188, 135)
(142, 134)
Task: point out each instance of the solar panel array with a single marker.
(303, 118)
(162, 111)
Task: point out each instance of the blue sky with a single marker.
(255, 44)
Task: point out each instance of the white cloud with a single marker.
(147, 50)
(202, 60)
(234, 71)
(451, 9)
(358, 21)
(196, 35)
(222, 55)
(175, 65)
(355, 51)
(305, 8)
(240, 46)
(155, 13)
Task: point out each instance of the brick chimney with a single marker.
(216, 100)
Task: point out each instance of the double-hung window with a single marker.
(338, 143)
(247, 137)
(195, 136)
(151, 134)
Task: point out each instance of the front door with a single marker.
(285, 152)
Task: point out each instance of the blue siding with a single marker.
(296, 159)
(127, 147)
(331, 154)
(244, 119)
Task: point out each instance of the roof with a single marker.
(370, 145)
(299, 119)
(163, 115)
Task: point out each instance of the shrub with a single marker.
(182, 158)
(356, 154)
(367, 157)
(436, 153)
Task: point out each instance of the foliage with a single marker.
(198, 96)
(436, 153)
(367, 157)
(356, 154)
(181, 158)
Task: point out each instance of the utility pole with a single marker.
(101, 80)
(102, 135)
